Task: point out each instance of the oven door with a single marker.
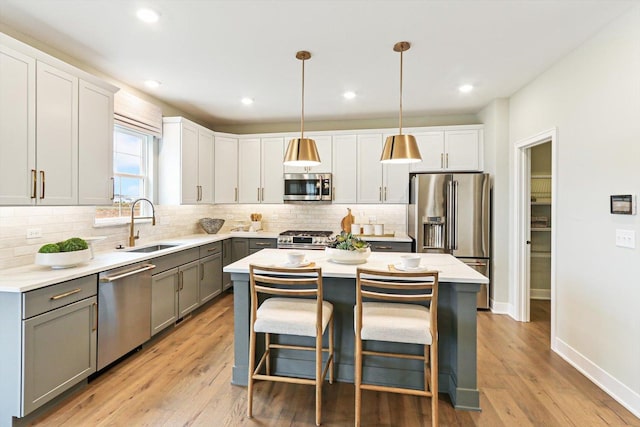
(302, 187)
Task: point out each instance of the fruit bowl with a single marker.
(63, 259)
(341, 256)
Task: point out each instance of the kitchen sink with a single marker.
(152, 248)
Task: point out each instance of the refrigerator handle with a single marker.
(450, 216)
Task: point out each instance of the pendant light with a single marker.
(400, 148)
(302, 151)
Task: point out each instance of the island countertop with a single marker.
(450, 268)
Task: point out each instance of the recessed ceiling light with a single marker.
(152, 84)
(349, 95)
(247, 101)
(147, 15)
(465, 88)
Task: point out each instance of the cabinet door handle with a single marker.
(333, 193)
(441, 160)
(42, 184)
(94, 307)
(236, 195)
(385, 193)
(66, 294)
(380, 193)
(34, 178)
(382, 247)
(262, 194)
(113, 188)
(181, 280)
(258, 193)
(201, 272)
(447, 159)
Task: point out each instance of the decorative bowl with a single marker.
(63, 259)
(342, 256)
(211, 225)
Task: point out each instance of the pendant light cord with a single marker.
(302, 116)
(400, 130)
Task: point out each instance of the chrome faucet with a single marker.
(132, 237)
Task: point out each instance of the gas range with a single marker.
(301, 239)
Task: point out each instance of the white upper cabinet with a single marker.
(56, 130)
(449, 150)
(95, 142)
(56, 136)
(323, 143)
(344, 174)
(260, 173)
(186, 163)
(226, 169)
(17, 127)
(378, 183)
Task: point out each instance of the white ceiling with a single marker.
(208, 54)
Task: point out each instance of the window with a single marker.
(132, 172)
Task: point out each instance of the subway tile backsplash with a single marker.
(59, 223)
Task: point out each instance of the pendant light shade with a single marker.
(400, 148)
(302, 151)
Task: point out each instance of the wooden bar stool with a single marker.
(294, 307)
(401, 320)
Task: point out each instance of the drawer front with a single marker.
(210, 249)
(262, 243)
(174, 260)
(51, 297)
(391, 246)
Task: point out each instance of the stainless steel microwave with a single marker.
(307, 187)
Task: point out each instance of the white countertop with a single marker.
(450, 268)
(30, 277)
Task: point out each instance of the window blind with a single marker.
(133, 112)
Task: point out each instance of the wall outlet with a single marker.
(626, 238)
(34, 233)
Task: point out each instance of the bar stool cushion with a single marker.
(395, 322)
(291, 316)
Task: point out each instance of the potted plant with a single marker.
(346, 248)
(67, 253)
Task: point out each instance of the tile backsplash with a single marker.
(59, 223)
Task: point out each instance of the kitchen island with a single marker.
(459, 285)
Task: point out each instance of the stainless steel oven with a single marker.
(307, 187)
(304, 239)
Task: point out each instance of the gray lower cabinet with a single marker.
(174, 294)
(258, 244)
(210, 271)
(227, 258)
(390, 246)
(240, 248)
(49, 340)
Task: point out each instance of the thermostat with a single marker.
(623, 204)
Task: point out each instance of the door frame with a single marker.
(522, 227)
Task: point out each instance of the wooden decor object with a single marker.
(346, 222)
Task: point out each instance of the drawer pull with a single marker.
(128, 273)
(383, 247)
(213, 250)
(263, 244)
(66, 294)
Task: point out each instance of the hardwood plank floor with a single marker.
(183, 379)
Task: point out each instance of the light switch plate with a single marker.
(626, 238)
(34, 233)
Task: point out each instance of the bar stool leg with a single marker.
(331, 368)
(318, 377)
(267, 347)
(357, 380)
(252, 362)
(433, 365)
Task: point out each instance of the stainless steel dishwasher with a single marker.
(124, 311)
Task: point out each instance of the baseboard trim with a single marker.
(611, 385)
(544, 294)
(501, 308)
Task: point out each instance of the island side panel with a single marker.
(10, 356)
(241, 314)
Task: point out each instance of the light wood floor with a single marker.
(183, 379)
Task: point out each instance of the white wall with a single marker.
(592, 96)
(495, 118)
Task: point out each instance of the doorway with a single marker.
(524, 243)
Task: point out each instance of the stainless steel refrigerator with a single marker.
(450, 213)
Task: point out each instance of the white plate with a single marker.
(304, 263)
(420, 268)
(348, 261)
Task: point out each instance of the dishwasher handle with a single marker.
(144, 267)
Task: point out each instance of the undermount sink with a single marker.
(152, 248)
